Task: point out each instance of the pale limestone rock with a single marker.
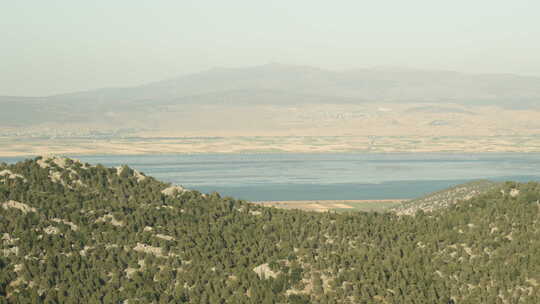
(56, 177)
(148, 249)
(139, 176)
(514, 192)
(10, 175)
(173, 190)
(43, 163)
(11, 251)
(51, 230)
(80, 183)
(85, 250)
(113, 221)
(164, 237)
(119, 170)
(60, 162)
(17, 205)
(7, 239)
(18, 267)
(264, 271)
(19, 281)
(129, 273)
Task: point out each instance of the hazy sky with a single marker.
(58, 46)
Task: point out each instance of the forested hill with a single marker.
(75, 233)
(445, 198)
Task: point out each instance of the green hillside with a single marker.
(75, 233)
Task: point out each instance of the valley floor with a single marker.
(24, 146)
(335, 205)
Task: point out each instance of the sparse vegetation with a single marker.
(445, 198)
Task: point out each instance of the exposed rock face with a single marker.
(43, 163)
(18, 205)
(514, 192)
(113, 220)
(7, 239)
(148, 249)
(57, 167)
(120, 169)
(51, 230)
(174, 190)
(164, 237)
(56, 177)
(85, 250)
(264, 271)
(10, 175)
(138, 175)
(62, 162)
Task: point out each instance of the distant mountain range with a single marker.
(276, 85)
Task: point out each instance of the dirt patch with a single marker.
(324, 205)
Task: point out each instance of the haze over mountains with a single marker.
(277, 85)
(275, 107)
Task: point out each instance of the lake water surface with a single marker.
(286, 176)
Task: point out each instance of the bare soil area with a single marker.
(335, 205)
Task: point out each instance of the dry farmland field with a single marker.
(335, 205)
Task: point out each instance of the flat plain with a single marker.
(335, 205)
(25, 146)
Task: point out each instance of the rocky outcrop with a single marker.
(10, 175)
(174, 190)
(18, 205)
(111, 219)
(264, 271)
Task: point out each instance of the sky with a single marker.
(58, 46)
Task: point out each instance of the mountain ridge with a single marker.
(292, 72)
(410, 110)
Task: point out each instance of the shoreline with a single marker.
(334, 201)
(334, 205)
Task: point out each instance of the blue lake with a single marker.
(286, 176)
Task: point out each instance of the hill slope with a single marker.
(72, 232)
(445, 198)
